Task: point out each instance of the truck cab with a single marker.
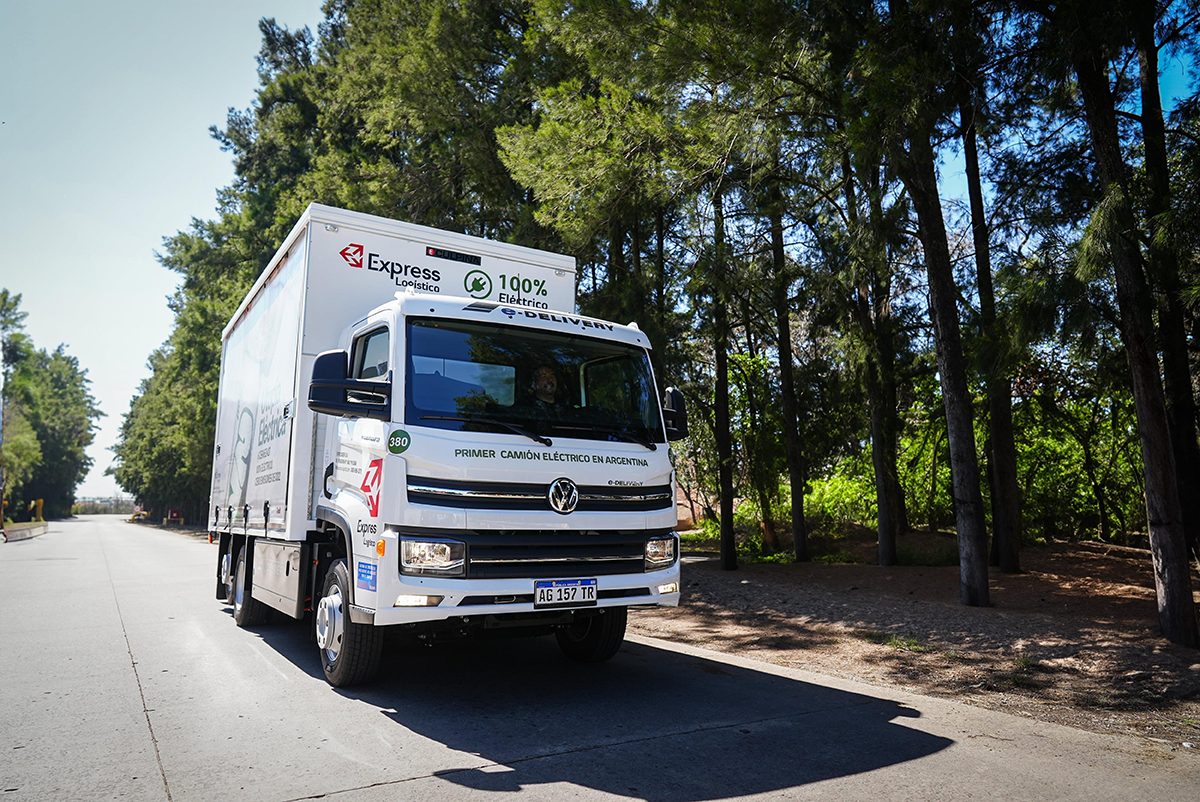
(495, 466)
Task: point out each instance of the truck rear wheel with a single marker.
(225, 570)
(350, 652)
(595, 638)
(247, 610)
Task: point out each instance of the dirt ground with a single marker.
(1071, 640)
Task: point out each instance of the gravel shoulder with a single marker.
(1070, 640)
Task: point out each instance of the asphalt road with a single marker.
(124, 679)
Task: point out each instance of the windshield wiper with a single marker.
(512, 427)
(612, 431)
(628, 436)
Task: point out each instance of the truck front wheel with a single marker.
(350, 652)
(595, 638)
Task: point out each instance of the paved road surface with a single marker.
(124, 679)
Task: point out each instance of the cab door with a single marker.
(360, 444)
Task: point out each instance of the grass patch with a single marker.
(835, 558)
(1022, 674)
(697, 537)
(779, 558)
(906, 643)
(901, 643)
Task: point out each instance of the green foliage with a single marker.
(49, 418)
(925, 458)
(840, 557)
(22, 453)
(699, 537)
(845, 497)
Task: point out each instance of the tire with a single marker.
(350, 652)
(224, 570)
(247, 610)
(595, 638)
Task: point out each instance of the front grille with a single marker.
(547, 554)
(521, 496)
(555, 554)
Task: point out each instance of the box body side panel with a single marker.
(257, 405)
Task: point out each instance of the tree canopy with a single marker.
(765, 187)
(49, 420)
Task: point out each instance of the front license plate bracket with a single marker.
(556, 593)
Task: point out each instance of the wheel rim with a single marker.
(238, 582)
(330, 624)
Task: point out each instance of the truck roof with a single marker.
(436, 306)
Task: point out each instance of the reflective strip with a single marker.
(502, 560)
(487, 495)
(614, 497)
(459, 493)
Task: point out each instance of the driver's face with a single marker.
(545, 385)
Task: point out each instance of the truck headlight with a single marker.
(435, 557)
(660, 553)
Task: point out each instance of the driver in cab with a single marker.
(545, 391)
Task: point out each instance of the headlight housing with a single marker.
(433, 557)
(660, 553)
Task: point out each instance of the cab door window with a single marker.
(370, 354)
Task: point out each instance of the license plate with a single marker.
(564, 593)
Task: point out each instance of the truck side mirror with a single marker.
(332, 392)
(675, 414)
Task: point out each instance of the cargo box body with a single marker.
(334, 268)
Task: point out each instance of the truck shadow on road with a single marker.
(650, 724)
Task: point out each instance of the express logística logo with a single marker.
(404, 275)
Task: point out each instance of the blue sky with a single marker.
(104, 150)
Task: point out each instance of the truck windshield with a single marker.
(481, 377)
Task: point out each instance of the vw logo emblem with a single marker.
(563, 496)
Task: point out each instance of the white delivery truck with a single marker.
(415, 431)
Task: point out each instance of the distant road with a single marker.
(124, 678)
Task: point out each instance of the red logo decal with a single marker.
(372, 480)
(353, 254)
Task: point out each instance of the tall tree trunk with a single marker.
(658, 327)
(1168, 548)
(885, 337)
(931, 519)
(634, 300)
(616, 262)
(916, 169)
(758, 478)
(883, 450)
(660, 270)
(720, 317)
(787, 377)
(1006, 522)
(1164, 271)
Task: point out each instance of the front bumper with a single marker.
(500, 578)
